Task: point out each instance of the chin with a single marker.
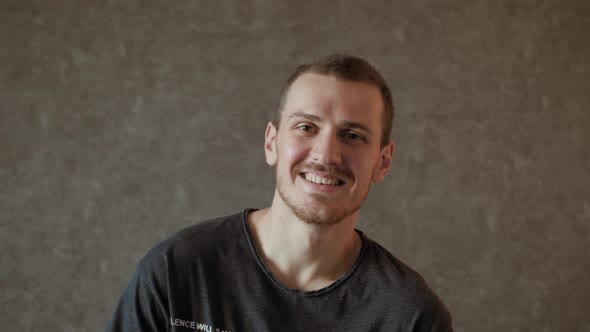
(317, 216)
(315, 211)
(317, 208)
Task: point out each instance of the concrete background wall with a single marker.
(124, 121)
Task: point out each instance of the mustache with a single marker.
(333, 170)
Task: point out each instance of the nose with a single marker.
(326, 149)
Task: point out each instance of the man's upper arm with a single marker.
(143, 305)
(434, 317)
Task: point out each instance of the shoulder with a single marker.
(384, 264)
(402, 284)
(200, 240)
(170, 268)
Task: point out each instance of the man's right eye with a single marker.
(305, 128)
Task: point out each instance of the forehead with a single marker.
(326, 95)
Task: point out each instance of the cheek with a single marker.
(363, 166)
(293, 152)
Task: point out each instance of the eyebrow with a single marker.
(304, 115)
(346, 124)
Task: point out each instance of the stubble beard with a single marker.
(319, 216)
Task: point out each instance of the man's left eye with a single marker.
(353, 136)
(305, 128)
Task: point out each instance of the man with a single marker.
(299, 265)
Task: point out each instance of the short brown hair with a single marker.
(349, 68)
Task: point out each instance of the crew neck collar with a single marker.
(276, 281)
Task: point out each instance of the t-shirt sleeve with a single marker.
(143, 305)
(434, 317)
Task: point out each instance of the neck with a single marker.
(304, 256)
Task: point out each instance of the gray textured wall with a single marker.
(124, 121)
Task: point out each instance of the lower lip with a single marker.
(321, 187)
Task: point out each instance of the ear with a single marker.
(270, 144)
(384, 164)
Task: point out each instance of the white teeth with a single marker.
(320, 180)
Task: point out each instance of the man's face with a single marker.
(327, 150)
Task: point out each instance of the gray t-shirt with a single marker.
(210, 277)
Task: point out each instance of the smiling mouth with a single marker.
(322, 180)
